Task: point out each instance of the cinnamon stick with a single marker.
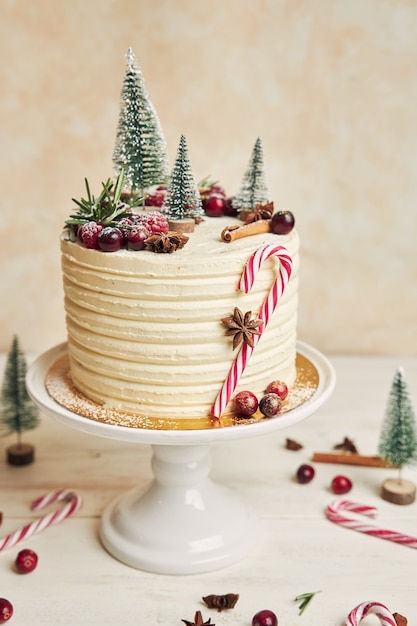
(349, 458)
(230, 233)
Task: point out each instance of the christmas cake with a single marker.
(170, 311)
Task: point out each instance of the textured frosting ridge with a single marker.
(145, 332)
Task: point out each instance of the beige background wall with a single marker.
(329, 85)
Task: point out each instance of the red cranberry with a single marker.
(341, 484)
(245, 403)
(26, 561)
(6, 610)
(305, 474)
(278, 387)
(88, 233)
(229, 209)
(282, 222)
(270, 404)
(217, 189)
(110, 239)
(214, 205)
(136, 238)
(265, 618)
(157, 198)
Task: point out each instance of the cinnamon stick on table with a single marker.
(349, 458)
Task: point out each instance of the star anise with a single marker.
(347, 445)
(260, 212)
(198, 621)
(166, 242)
(242, 327)
(226, 601)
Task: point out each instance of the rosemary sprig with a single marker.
(305, 599)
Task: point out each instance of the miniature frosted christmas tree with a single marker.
(17, 411)
(398, 440)
(253, 189)
(140, 148)
(183, 202)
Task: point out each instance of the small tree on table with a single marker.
(183, 201)
(398, 440)
(140, 148)
(17, 411)
(253, 189)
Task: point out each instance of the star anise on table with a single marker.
(347, 445)
(198, 621)
(226, 601)
(241, 327)
(166, 242)
(260, 212)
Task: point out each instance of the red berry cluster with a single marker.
(215, 201)
(246, 403)
(156, 198)
(131, 232)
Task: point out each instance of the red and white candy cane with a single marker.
(370, 608)
(72, 503)
(334, 515)
(247, 279)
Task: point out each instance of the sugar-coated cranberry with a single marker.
(26, 561)
(6, 610)
(245, 403)
(217, 189)
(305, 474)
(278, 387)
(282, 222)
(110, 239)
(155, 222)
(215, 205)
(136, 238)
(157, 198)
(88, 234)
(341, 484)
(270, 404)
(265, 618)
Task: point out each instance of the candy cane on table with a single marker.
(73, 503)
(334, 515)
(247, 279)
(370, 608)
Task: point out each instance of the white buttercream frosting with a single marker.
(144, 329)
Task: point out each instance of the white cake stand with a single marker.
(184, 523)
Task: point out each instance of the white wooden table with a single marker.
(298, 551)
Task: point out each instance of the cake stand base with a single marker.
(184, 523)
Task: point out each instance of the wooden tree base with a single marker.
(20, 454)
(186, 225)
(398, 491)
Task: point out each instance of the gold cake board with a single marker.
(60, 387)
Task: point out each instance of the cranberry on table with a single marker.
(265, 618)
(215, 205)
(26, 561)
(270, 405)
(305, 474)
(340, 485)
(6, 610)
(278, 387)
(245, 403)
(282, 222)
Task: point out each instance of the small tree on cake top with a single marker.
(398, 440)
(183, 196)
(253, 189)
(17, 411)
(140, 148)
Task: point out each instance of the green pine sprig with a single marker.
(305, 599)
(106, 209)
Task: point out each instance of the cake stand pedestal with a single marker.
(185, 523)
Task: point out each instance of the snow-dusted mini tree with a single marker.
(17, 411)
(253, 189)
(398, 439)
(183, 197)
(140, 148)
